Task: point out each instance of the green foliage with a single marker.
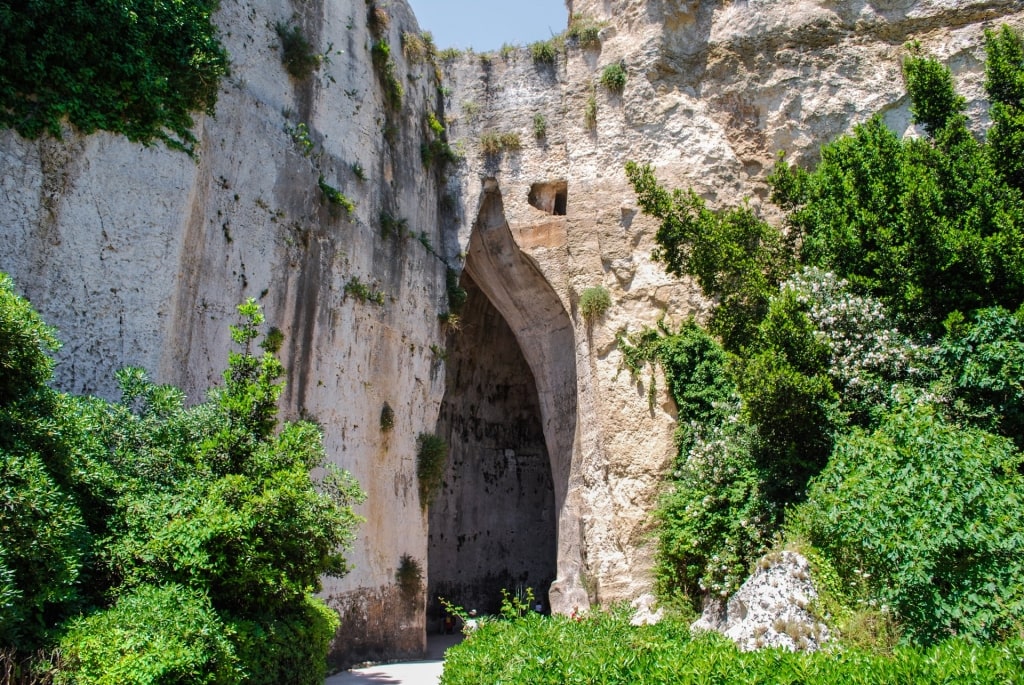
(436, 147)
(457, 295)
(1004, 83)
(517, 605)
(131, 67)
(613, 77)
(928, 226)
(546, 51)
(585, 30)
(714, 520)
(182, 535)
(26, 344)
(594, 302)
(540, 126)
(449, 54)
(297, 55)
(363, 292)
(335, 196)
(288, 647)
(492, 143)
(934, 103)
(393, 226)
(387, 71)
(300, 136)
(431, 458)
(154, 634)
(415, 48)
(604, 648)
(735, 257)
(981, 366)
(928, 513)
(590, 112)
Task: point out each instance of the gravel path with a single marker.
(427, 672)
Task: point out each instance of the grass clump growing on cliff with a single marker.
(335, 196)
(585, 30)
(431, 458)
(363, 292)
(493, 143)
(545, 52)
(613, 77)
(297, 54)
(540, 126)
(590, 111)
(140, 69)
(594, 302)
(387, 71)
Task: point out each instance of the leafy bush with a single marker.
(594, 302)
(132, 67)
(929, 226)
(154, 634)
(335, 196)
(546, 51)
(604, 648)
(590, 112)
(734, 256)
(388, 74)
(540, 126)
(492, 143)
(363, 292)
(613, 77)
(585, 30)
(928, 513)
(297, 55)
(131, 503)
(431, 457)
(409, 577)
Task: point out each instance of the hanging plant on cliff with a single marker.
(131, 67)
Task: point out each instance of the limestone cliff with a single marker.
(139, 255)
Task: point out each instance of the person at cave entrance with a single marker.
(449, 624)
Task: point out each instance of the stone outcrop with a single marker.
(770, 609)
(139, 255)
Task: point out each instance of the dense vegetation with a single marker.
(131, 67)
(605, 648)
(858, 388)
(152, 542)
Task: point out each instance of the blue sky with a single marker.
(485, 24)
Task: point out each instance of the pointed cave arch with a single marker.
(505, 516)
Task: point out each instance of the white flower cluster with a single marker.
(868, 354)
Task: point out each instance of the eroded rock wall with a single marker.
(140, 255)
(714, 90)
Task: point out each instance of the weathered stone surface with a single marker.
(139, 255)
(770, 608)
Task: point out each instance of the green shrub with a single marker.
(546, 51)
(290, 647)
(928, 514)
(613, 77)
(492, 143)
(585, 30)
(335, 196)
(388, 74)
(154, 634)
(297, 55)
(590, 112)
(603, 648)
(540, 126)
(431, 458)
(457, 295)
(363, 292)
(135, 68)
(594, 302)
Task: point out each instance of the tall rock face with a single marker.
(139, 255)
(713, 91)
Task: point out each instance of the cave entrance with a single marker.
(504, 518)
(492, 526)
